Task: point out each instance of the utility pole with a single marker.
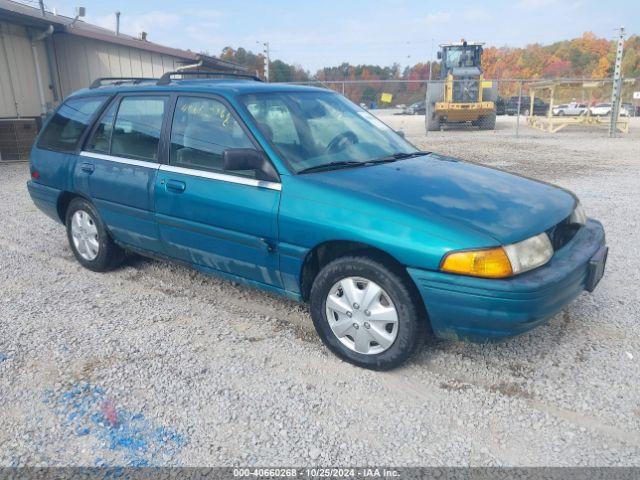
(617, 85)
(266, 59)
(431, 60)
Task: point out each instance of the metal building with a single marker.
(44, 57)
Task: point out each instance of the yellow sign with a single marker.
(386, 98)
(487, 84)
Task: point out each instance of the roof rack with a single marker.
(166, 78)
(102, 81)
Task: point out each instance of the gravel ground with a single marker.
(156, 364)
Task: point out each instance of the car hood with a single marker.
(507, 207)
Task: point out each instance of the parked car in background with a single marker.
(540, 107)
(417, 108)
(631, 109)
(500, 106)
(572, 108)
(298, 191)
(604, 109)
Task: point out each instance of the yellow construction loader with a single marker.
(461, 95)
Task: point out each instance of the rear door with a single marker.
(120, 163)
(224, 221)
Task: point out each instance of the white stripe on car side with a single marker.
(222, 177)
(126, 161)
(187, 171)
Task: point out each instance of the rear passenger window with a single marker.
(65, 128)
(202, 129)
(101, 139)
(136, 132)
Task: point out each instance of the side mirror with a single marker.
(439, 55)
(234, 159)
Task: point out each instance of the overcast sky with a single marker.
(320, 33)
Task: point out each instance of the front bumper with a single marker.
(478, 309)
(460, 112)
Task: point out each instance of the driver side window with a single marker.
(274, 120)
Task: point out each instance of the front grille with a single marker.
(562, 233)
(465, 90)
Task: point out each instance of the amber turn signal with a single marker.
(489, 263)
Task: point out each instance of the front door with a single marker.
(224, 221)
(120, 161)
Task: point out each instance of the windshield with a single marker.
(461, 57)
(311, 129)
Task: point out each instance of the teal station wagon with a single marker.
(298, 191)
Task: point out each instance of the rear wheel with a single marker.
(487, 122)
(366, 313)
(89, 239)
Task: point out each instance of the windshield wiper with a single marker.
(332, 165)
(352, 163)
(396, 156)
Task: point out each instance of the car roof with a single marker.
(225, 87)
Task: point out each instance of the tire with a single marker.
(93, 247)
(487, 122)
(410, 326)
(561, 113)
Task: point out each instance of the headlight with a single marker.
(500, 262)
(530, 253)
(578, 217)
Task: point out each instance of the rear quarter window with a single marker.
(65, 128)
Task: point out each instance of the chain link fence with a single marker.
(510, 106)
(504, 104)
(16, 138)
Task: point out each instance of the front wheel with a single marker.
(367, 313)
(89, 239)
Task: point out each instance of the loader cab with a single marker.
(461, 56)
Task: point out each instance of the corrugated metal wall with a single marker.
(82, 60)
(77, 62)
(18, 87)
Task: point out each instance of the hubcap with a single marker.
(84, 233)
(361, 315)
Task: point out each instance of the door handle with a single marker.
(87, 167)
(176, 186)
